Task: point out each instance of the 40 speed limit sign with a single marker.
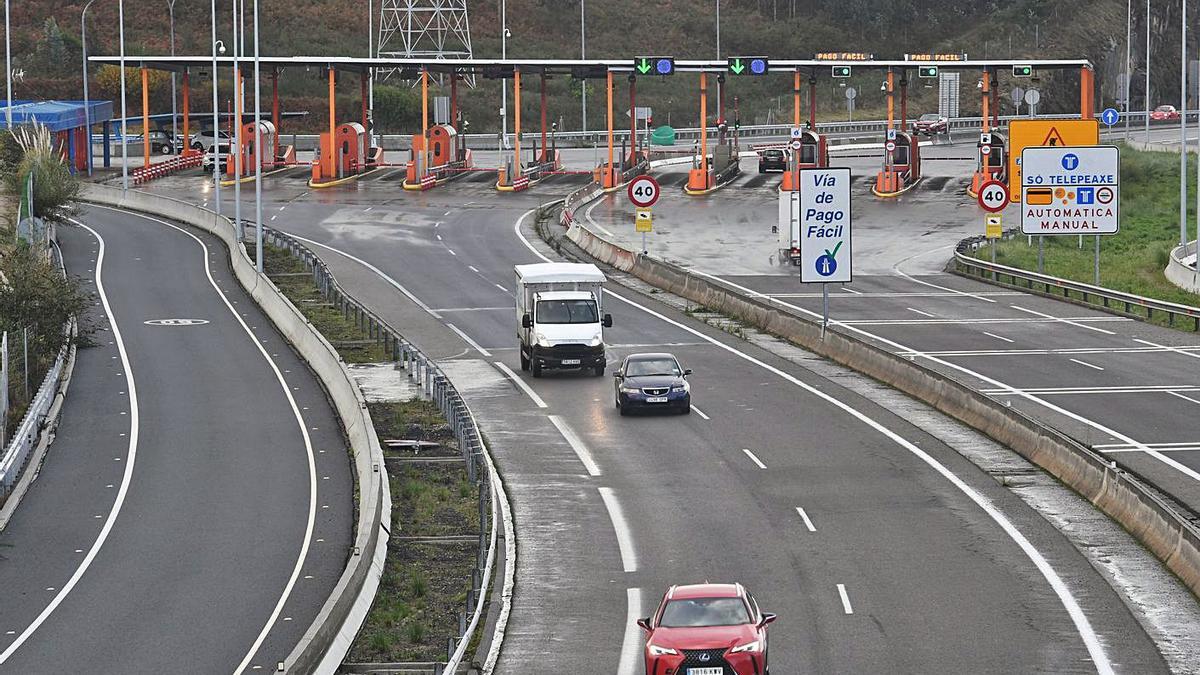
(993, 196)
(643, 191)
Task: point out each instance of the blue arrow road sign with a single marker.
(1110, 116)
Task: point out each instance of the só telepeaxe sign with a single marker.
(1070, 190)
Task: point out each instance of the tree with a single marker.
(37, 296)
(50, 52)
(396, 109)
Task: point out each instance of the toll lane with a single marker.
(200, 515)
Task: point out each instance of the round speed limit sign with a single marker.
(643, 191)
(993, 196)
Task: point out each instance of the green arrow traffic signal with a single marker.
(642, 64)
(735, 66)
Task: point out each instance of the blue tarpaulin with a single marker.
(56, 115)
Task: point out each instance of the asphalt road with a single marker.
(610, 511)
(195, 509)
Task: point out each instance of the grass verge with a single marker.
(1134, 259)
(427, 573)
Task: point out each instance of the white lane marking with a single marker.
(807, 521)
(126, 478)
(1085, 363)
(1118, 389)
(445, 214)
(1186, 351)
(890, 294)
(955, 291)
(921, 313)
(439, 237)
(588, 216)
(452, 252)
(368, 209)
(631, 645)
(392, 282)
(1186, 398)
(998, 337)
(624, 534)
(1161, 447)
(537, 400)
(283, 207)
(754, 458)
(440, 310)
(845, 599)
(851, 290)
(308, 448)
(1077, 322)
(501, 288)
(472, 268)
(700, 413)
(468, 339)
(577, 444)
(1043, 352)
(1082, 625)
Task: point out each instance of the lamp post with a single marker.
(174, 111)
(718, 29)
(583, 56)
(1183, 228)
(1147, 118)
(87, 110)
(236, 147)
(503, 89)
(124, 115)
(1128, 62)
(7, 68)
(217, 47)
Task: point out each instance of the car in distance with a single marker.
(210, 157)
(203, 140)
(707, 629)
(652, 381)
(161, 142)
(931, 124)
(772, 160)
(1164, 112)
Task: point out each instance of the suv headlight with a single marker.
(755, 646)
(655, 650)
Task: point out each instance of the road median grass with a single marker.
(435, 524)
(1132, 260)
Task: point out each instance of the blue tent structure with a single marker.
(66, 119)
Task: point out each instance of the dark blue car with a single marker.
(652, 381)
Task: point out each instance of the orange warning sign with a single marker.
(1040, 132)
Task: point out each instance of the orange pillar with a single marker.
(987, 86)
(329, 157)
(145, 116)
(704, 126)
(796, 99)
(516, 123)
(235, 131)
(633, 145)
(545, 155)
(275, 109)
(362, 86)
(812, 102)
(891, 99)
(187, 117)
(424, 121)
(609, 181)
(1087, 101)
(454, 101)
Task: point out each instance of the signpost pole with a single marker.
(824, 308)
(1096, 265)
(1041, 254)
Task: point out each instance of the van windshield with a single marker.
(566, 311)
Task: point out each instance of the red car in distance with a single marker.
(1164, 112)
(707, 629)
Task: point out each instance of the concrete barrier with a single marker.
(342, 614)
(1171, 538)
(1180, 273)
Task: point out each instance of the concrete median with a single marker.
(343, 612)
(1174, 540)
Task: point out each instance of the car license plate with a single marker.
(570, 362)
(706, 671)
(663, 399)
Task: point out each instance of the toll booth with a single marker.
(432, 160)
(248, 152)
(992, 162)
(351, 154)
(813, 154)
(901, 166)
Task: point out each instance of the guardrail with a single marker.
(145, 174)
(1045, 284)
(16, 454)
(437, 387)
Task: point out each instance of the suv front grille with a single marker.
(716, 659)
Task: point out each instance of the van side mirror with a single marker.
(767, 618)
(607, 321)
(644, 623)
(526, 321)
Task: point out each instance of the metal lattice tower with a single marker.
(424, 28)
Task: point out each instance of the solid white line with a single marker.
(921, 313)
(1189, 447)
(1056, 319)
(624, 534)
(126, 478)
(1186, 398)
(807, 522)
(631, 645)
(1085, 363)
(392, 282)
(308, 447)
(754, 458)
(537, 400)
(468, 339)
(700, 413)
(1186, 351)
(588, 216)
(955, 291)
(947, 322)
(577, 445)
(845, 599)
(1160, 446)
(998, 337)
(1082, 625)
(851, 290)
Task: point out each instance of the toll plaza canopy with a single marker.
(581, 68)
(57, 115)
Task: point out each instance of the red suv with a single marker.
(707, 629)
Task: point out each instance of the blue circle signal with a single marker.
(1110, 116)
(664, 66)
(758, 66)
(826, 265)
(1070, 161)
